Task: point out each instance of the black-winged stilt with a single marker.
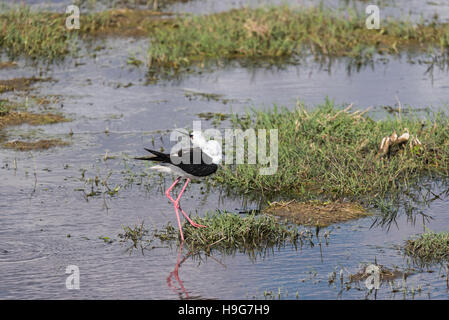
(198, 162)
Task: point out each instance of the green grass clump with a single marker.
(35, 34)
(228, 232)
(333, 153)
(430, 247)
(283, 32)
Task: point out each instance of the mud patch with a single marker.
(128, 22)
(20, 84)
(385, 274)
(13, 118)
(8, 65)
(317, 213)
(35, 145)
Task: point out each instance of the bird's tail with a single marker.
(155, 156)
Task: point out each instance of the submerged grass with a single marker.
(282, 32)
(429, 247)
(332, 153)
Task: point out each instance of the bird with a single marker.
(199, 161)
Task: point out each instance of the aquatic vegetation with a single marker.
(282, 33)
(228, 232)
(429, 247)
(332, 153)
(44, 34)
(273, 34)
(137, 235)
(316, 213)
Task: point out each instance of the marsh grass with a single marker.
(228, 232)
(429, 248)
(273, 34)
(137, 235)
(332, 153)
(283, 33)
(44, 34)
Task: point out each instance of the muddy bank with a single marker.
(317, 213)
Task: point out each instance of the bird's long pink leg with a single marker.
(176, 203)
(167, 193)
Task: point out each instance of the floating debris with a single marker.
(385, 274)
(393, 143)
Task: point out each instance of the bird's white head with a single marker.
(210, 147)
(198, 139)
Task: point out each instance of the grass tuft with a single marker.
(333, 153)
(228, 232)
(429, 247)
(36, 34)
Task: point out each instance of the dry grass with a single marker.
(8, 64)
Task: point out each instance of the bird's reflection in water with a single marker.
(175, 283)
(180, 290)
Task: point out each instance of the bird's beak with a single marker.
(187, 134)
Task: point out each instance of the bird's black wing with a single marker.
(155, 156)
(195, 162)
(192, 161)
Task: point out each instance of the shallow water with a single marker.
(47, 224)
